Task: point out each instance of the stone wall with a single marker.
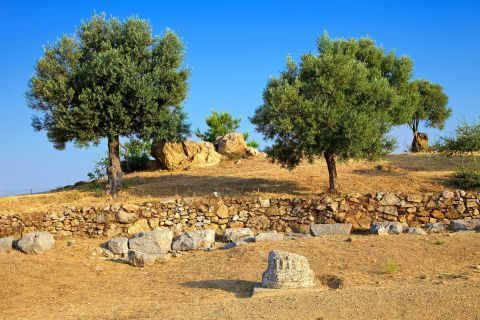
(281, 214)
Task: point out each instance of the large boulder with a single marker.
(420, 142)
(463, 224)
(231, 143)
(118, 246)
(6, 244)
(287, 271)
(237, 234)
(330, 229)
(185, 155)
(142, 259)
(36, 242)
(152, 242)
(193, 240)
(384, 228)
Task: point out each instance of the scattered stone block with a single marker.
(436, 227)
(330, 229)
(269, 236)
(287, 271)
(152, 242)
(416, 230)
(237, 234)
(384, 228)
(118, 246)
(194, 240)
(6, 244)
(463, 224)
(141, 259)
(36, 242)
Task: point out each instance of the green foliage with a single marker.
(99, 170)
(466, 140)
(137, 154)
(341, 102)
(428, 103)
(111, 78)
(219, 124)
(391, 267)
(253, 144)
(464, 144)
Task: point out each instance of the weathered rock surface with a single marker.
(142, 259)
(269, 236)
(330, 229)
(420, 142)
(287, 271)
(436, 227)
(139, 226)
(416, 230)
(185, 155)
(118, 246)
(6, 244)
(463, 224)
(125, 216)
(384, 228)
(36, 242)
(152, 242)
(237, 234)
(252, 152)
(193, 240)
(231, 143)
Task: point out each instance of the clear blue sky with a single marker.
(232, 49)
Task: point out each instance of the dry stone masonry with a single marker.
(434, 212)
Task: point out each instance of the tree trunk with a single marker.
(332, 171)
(114, 166)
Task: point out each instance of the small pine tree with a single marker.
(219, 124)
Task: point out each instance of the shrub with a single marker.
(219, 124)
(468, 177)
(253, 144)
(136, 154)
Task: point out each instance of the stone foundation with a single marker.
(281, 214)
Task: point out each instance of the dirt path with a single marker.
(431, 277)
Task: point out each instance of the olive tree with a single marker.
(429, 106)
(339, 104)
(110, 79)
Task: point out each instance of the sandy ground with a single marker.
(256, 176)
(392, 277)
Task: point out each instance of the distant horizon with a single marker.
(232, 49)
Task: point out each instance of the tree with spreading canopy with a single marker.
(110, 79)
(430, 106)
(339, 104)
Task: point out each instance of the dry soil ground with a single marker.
(257, 176)
(391, 277)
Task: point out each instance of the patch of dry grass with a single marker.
(256, 176)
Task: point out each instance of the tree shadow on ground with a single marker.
(241, 288)
(191, 186)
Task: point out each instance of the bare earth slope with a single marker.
(431, 277)
(256, 176)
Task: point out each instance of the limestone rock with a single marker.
(125, 217)
(185, 155)
(463, 224)
(36, 242)
(6, 244)
(237, 234)
(130, 207)
(384, 228)
(416, 230)
(287, 271)
(253, 152)
(118, 246)
(231, 143)
(139, 226)
(259, 222)
(420, 142)
(222, 212)
(152, 242)
(330, 229)
(389, 199)
(269, 236)
(436, 227)
(193, 240)
(142, 259)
